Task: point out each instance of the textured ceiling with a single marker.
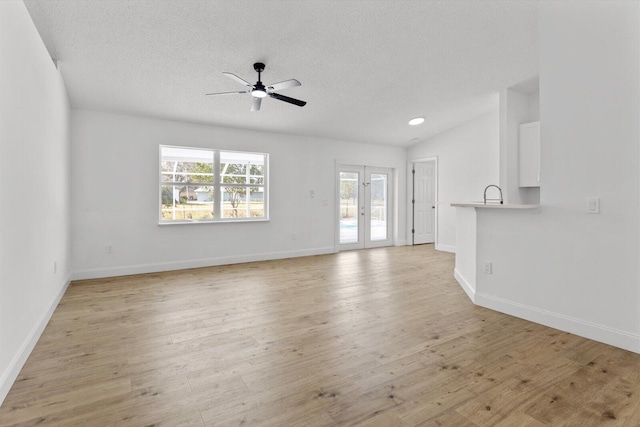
(366, 67)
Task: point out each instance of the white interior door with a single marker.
(364, 202)
(424, 202)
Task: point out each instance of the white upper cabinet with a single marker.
(529, 154)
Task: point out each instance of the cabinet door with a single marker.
(529, 154)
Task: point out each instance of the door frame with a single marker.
(391, 207)
(410, 164)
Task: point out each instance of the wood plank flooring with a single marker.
(383, 337)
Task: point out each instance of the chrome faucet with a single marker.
(485, 194)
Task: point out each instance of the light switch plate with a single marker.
(593, 205)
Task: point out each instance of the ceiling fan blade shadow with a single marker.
(226, 93)
(287, 99)
(255, 106)
(284, 85)
(238, 79)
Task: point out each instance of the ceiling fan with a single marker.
(259, 91)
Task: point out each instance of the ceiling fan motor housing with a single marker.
(259, 91)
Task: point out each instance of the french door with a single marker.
(364, 207)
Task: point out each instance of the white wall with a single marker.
(465, 270)
(564, 267)
(115, 195)
(34, 184)
(533, 106)
(468, 161)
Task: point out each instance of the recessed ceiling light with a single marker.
(416, 121)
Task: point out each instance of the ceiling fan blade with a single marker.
(287, 99)
(284, 85)
(238, 79)
(255, 106)
(226, 93)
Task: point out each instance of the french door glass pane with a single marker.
(349, 207)
(378, 206)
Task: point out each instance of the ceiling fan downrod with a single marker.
(259, 90)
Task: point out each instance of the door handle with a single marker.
(433, 207)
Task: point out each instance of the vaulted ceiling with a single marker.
(366, 66)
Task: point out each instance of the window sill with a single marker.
(218, 221)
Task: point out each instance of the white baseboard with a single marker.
(197, 263)
(9, 376)
(465, 285)
(446, 248)
(401, 243)
(575, 326)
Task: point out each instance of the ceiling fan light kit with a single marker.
(259, 90)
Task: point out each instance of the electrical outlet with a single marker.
(108, 249)
(55, 266)
(488, 268)
(593, 205)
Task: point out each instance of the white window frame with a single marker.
(217, 188)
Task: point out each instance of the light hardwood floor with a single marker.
(382, 337)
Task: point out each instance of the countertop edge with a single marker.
(493, 206)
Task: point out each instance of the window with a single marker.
(205, 185)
